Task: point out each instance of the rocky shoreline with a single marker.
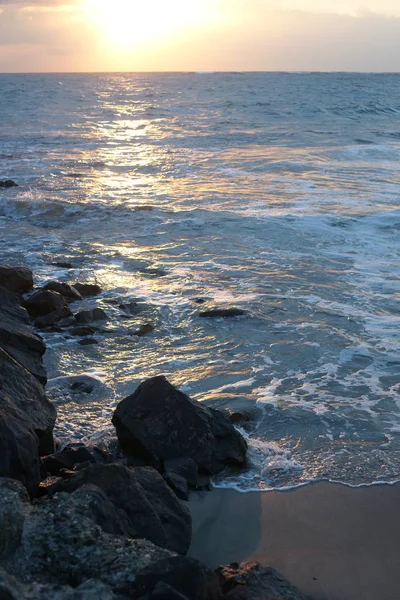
(84, 523)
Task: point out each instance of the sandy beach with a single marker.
(334, 542)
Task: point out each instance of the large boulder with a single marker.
(13, 499)
(16, 279)
(142, 505)
(17, 338)
(65, 289)
(23, 396)
(44, 302)
(19, 458)
(61, 544)
(158, 422)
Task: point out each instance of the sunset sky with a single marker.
(185, 35)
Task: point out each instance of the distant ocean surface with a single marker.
(272, 192)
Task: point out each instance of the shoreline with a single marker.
(332, 541)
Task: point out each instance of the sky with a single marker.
(199, 35)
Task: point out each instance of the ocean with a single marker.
(276, 193)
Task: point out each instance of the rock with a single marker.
(185, 575)
(185, 467)
(13, 498)
(11, 589)
(252, 581)
(88, 289)
(131, 309)
(82, 331)
(17, 338)
(16, 279)
(238, 410)
(62, 544)
(163, 591)
(159, 422)
(63, 265)
(82, 387)
(8, 183)
(44, 302)
(144, 329)
(52, 318)
(68, 458)
(222, 312)
(144, 504)
(88, 342)
(154, 272)
(19, 457)
(178, 484)
(66, 290)
(23, 397)
(87, 316)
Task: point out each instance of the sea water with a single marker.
(277, 193)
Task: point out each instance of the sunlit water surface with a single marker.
(275, 193)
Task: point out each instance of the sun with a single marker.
(127, 23)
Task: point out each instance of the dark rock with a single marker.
(145, 505)
(252, 581)
(88, 289)
(185, 575)
(154, 272)
(82, 330)
(52, 318)
(13, 498)
(63, 265)
(160, 422)
(17, 338)
(131, 309)
(88, 342)
(185, 467)
(82, 387)
(16, 279)
(55, 462)
(22, 396)
(238, 410)
(87, 316)
(163, 591)
(8, 183)
(44, 302)
(222, 312)
(178, 484)
(67, 322)
(144, 329)
(69, 458)
(200, 300)
(63, 545)
(66, 290)
(19, 458)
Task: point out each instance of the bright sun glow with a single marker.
(127, 23)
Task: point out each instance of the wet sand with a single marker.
(332, 541)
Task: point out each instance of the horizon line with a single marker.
(203, 72)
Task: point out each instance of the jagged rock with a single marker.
(65, 289)
(178, 484)
(185, 467)
(13, 498)
(12, 589)
(61, 544)
(52, 318)
(185, 575)
(145, 505)
(87, 316)
(22, 397)
(16, 279)
(143, 330)
(131, 309)
(222, 312)
(158, 422)
(44, 302)
(19, 457)
(17, 338)
(253, 581)
(88, 289)
(8, 183)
